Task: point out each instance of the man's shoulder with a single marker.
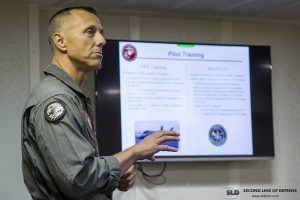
(50, 84)
(47, 88)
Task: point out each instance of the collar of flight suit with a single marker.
(64, 77)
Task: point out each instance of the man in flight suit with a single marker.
(60, 157)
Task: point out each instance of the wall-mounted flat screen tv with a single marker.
(218, 97)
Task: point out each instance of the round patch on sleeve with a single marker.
(55, 111)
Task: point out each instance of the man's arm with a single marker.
(69, 156)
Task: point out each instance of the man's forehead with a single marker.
(82, 17)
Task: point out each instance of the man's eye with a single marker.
(90, 32)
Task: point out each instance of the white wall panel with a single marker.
(14, 89)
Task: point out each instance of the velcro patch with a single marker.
(55, 111)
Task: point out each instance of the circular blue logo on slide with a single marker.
(217, 135)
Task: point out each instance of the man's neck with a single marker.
(74, 72)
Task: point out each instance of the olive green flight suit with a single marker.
(60, 157)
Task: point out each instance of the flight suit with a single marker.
(60, 157)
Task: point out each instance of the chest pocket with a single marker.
(89, 131)
(88, 123)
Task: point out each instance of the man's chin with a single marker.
(96, 66)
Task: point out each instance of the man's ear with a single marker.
(59, 42)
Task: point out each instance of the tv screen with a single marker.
(218, 97)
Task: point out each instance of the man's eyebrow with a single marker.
(94, 27)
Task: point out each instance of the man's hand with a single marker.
(146, 149)
(127, 180)
(152, 144)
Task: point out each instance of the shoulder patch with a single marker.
(55, 111)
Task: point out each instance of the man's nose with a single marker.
(100, 39)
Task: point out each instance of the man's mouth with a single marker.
(98, 54)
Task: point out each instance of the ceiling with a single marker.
(272, 10)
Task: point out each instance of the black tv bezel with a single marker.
(108, 117)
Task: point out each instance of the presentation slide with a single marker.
(200, 91)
